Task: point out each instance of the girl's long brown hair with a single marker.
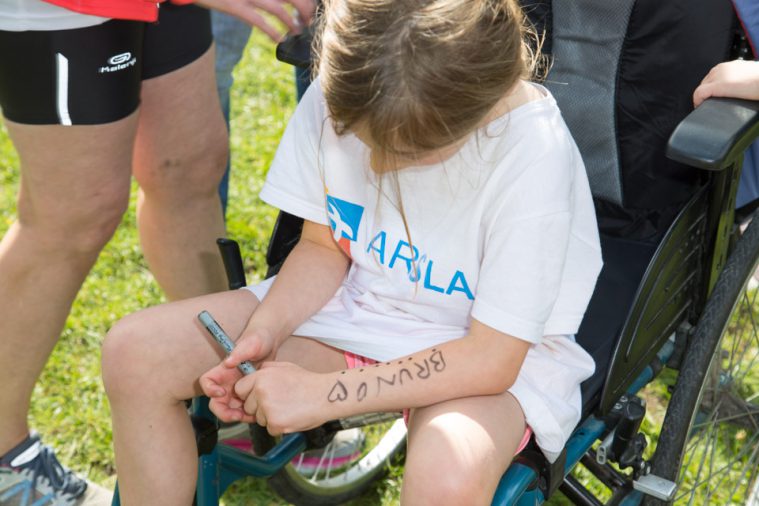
(417, 75)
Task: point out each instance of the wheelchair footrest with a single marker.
(656, 486)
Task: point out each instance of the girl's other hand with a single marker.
(285, 398)
(736, 79)
(218, 383)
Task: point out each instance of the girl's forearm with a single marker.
(470, 366)
(309, 277)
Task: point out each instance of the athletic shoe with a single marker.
(30, 475)
(344, 448)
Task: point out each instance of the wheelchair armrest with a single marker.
(715, 134)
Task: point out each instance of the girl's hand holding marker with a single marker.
(223, 339)
(218, 383)
(232, 399)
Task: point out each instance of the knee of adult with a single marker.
(123, 359)
(197, 172)
(76, 227)
(96, 233)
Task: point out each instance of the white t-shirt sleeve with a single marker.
(526, 250)
(294, 183)
(521, 275)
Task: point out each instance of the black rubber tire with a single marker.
(297, 489)
(702, 362)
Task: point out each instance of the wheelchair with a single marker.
(675, 301)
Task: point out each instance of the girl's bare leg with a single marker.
(459, 449)
(151, 363)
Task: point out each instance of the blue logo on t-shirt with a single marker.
(344, 220)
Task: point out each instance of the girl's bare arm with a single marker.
(287, 398)
(309, 277)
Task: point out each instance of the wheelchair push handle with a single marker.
(230, 255)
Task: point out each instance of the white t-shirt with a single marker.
(22, 15)
(503, 232)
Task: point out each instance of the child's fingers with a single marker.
(702, 93)
(272, 363)
(244, 387)
(230, 410)
(223, 412)
(251, 407)
(247, 348)
(211, 387)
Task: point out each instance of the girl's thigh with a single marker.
(459, 449)
(311, 354)
(166, 347)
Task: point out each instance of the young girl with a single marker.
(449, 235)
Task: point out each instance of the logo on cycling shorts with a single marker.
(118, 62)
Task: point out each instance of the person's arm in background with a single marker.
(252, 12)
(735, 79)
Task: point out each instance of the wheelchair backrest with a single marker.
(623, 73)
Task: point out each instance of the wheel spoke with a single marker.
(747, 446)
(751, 461)
(739, 338)
(700, 468)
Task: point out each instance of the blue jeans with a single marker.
(231, 36)
(748, 188)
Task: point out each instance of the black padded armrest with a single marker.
(715, 134)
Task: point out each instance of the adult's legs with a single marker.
(151, 363)
(459, 449)
(179, 158)
(74, 190)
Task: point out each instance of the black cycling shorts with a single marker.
(92, 75)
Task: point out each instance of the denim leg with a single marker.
(748, 188)
(231, 36)
(302, 80)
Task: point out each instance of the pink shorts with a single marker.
(354, 361)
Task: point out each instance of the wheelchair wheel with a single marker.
(709, 442)
(331, 475)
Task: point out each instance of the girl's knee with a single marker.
(455, 454)
(439, 481)
(125, 362)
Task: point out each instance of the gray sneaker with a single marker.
(30, 475)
